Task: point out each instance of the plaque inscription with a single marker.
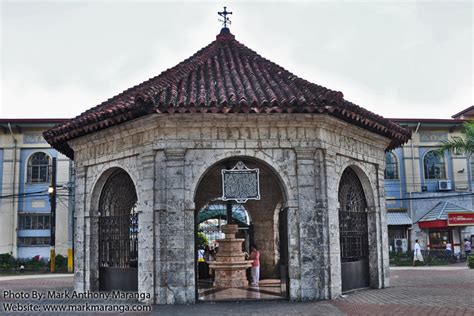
(240, 184)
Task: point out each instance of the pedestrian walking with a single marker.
(417, 253)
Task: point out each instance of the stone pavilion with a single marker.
(149, 160)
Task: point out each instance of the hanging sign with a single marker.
(240, 183)
(461, 219)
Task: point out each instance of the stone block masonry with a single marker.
(166, 156)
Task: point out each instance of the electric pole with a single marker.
(52, 200)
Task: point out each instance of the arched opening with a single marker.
(118, 234)
(391, 166)
(260, 222)
(353, 232)
(39, 168)
(433, 165)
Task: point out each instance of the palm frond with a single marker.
(461, 145)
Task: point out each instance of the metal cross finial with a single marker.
(224, 15)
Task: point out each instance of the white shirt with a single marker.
(201, 254)
(449, 246)
(417, 248)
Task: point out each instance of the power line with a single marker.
(22, 194)
(431, 197)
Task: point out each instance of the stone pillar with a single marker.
(294, 267)
(321, 209)
(334, 264)
(312, 228)
(80, 283)
(146, 224)
(91, 233)
(378, 233)
(385, 273)
(177, 234)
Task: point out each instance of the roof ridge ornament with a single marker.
(224, 14)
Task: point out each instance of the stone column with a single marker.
(177, 234)
(146, 224)
(378, 234)
(91, 235)
(334, 264)
(385, 259)
(322, 218)
(80, 283)
(294, 260)
(312, 229)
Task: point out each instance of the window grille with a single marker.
(39, 168)
(34, 221)
(118, 223)
(33, 241)
(434, 166)
(352, 218)
(391, 166)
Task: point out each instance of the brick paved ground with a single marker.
(440, 291)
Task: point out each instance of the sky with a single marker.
(399, 59)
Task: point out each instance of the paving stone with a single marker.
(412, 292)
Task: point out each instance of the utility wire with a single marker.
(22, 194)
(431, 197)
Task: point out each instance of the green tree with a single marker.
(202, 240)
(461, 144)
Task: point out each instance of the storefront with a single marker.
(447, 222)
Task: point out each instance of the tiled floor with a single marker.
(269, 289)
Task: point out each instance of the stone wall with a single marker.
(167, 157)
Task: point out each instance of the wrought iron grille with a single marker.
(118, 223)
(352, 218)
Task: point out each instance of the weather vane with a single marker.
(224, 15)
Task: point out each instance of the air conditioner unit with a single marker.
(444, 185)
(401, 245)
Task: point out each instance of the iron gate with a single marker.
(353, 233)
(118, 234)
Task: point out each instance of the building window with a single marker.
(434, 166)
(33, 241)
(39, 167)
(34, 221)
(391, 167)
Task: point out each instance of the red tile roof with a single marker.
(466, 112)
(223, 77)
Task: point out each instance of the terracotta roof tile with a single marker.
(223, 77)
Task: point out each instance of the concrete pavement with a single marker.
(447, 290)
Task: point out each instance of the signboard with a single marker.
(461, 219)
(240, 183)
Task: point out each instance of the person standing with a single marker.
(417, 253)
(467, 247)
(255, 270)
(449, 249)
